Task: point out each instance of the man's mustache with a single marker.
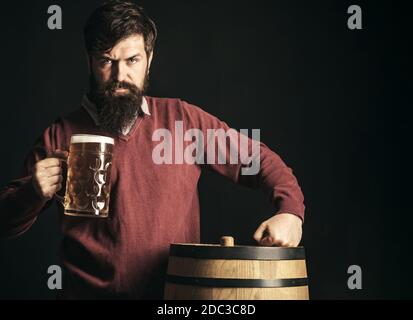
(113, 85)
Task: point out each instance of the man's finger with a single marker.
(272, 241)
(55, 179)
(266, 241)
(260, 231)
(53, 171)
(48, 163)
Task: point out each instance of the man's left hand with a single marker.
(283, 229)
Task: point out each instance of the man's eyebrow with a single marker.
(102, 57)
(109, 58)
(134, 56)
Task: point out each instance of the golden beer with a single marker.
(88, 176)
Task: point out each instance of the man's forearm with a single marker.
(277, 180)
(19, 207)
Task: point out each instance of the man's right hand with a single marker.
(47, 175)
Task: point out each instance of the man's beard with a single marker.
(116, 112)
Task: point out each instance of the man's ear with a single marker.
(150, 60)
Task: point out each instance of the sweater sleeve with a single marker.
(20, 204)
(255, 166)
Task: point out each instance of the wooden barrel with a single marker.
(220, 272)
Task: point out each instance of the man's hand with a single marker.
(47, 175)
(283, 229)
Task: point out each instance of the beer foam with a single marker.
(90, 138)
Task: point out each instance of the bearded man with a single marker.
(124, 255)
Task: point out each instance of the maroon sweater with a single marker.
(152, 205)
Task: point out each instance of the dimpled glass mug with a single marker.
(88, 176)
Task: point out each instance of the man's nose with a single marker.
(119, 72)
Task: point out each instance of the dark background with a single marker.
(332, 102)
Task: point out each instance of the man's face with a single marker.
(125, 62)
(118, 81)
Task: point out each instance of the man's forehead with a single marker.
(127, 47)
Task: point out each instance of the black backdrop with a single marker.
(332, 102)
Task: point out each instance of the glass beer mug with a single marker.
(88, 176)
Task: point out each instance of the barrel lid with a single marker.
(235, 252)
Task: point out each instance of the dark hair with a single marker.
(116, 20)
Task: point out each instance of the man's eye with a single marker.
(106, 61)
(133, 60)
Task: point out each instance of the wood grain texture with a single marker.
(237, 269)
(184, 292)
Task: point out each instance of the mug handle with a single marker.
(59, 198)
